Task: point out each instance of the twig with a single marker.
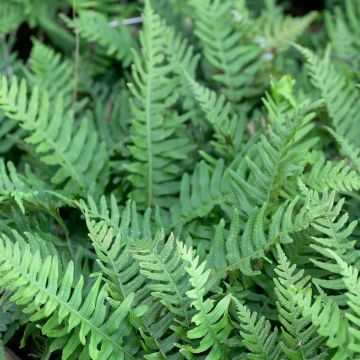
(130, 21)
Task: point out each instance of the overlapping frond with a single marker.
(72, 147)
(299, 338)
(257, 335)
(211, 323)
(114, 37)
(86, 330)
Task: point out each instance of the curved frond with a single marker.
(77, 320)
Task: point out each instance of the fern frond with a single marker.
(58, 140)
(352, 283)
(257, 335)
(127, 221)
(201, 192)
(236, 60)
(156, 149)
(80, 324)
(261, 234)
(329, 320)
(50, 72)
(274, 160)
(212, 326)
(299, 340)
(11, 16)
(116, 41)
(341, 97)
(280, 32)
(329, 175)
(335, 231)
(228, 128)
(161, 264)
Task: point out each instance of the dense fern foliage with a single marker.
(179, 179)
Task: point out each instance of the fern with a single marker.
(335, 232)
(160, 263)
(48, 72)
(212, 327)
(94, 27)
(152, 95)
(36, 288)
(221, 40)
(175, 183)
(329, 175)
(59, 143)
(299, 340)
(257, 335)
(343, 109)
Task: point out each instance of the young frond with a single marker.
(161, 264)
(299, 338)
(257, 335)
(212, 326)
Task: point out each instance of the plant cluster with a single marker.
(179, 180)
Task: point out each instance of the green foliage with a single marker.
(179, 180)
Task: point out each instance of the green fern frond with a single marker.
(212, 326)
(236, 60)
(261, 234)
(11, 16)
(51, 73)
(201, 192)
(257, 335)
(274, 160)
(121, 272)
(24, 191)
(58, 140)
(352, 282)
(156, 149)
(280, 32)
(341, 97)
(299, 340)
(228, 128)
(161, 264)
(329, 320)
(329, 175)
(82, 325)
(127, 221)
(335, 231)
(114, 38)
